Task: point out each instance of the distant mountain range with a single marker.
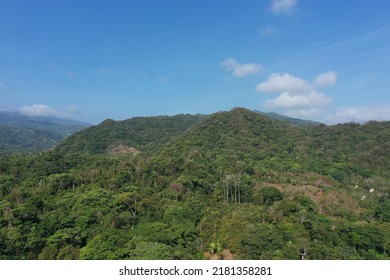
(20, 133)
(295, 121)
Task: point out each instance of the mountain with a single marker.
(230, 185)
(237, 137)
(140, 133)
(23, 140)
(64, 127)
(143, 134)
(295, 121)
(245, 141)
(24, 134)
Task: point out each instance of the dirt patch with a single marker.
(122, 150)
(225, 255)
(328, 199)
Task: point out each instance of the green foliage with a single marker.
(289, 207)
(233, 182)
(151, 251)
(269, 195)
(23, 134)
(144, 134)
(305, 202)
(383, 210)
(26, 140)
(261, 242)
(109, 245)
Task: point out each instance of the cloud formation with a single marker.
(283, 83)
(38, 110)
(304, 112)
(42, 110)
(289, 101)
(240, 70)
(325, 79)
(296, 96)
(283, 7)
(360, 114)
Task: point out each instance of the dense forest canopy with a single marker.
(231, 185)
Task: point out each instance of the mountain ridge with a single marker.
(125, 131)
(296, 121)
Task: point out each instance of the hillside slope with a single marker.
(26, 140)
(234, 140)
(142, 133)
(242, 139)
(63, 127)
(20, 133)
(231, 185)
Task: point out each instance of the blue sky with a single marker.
(91, 60)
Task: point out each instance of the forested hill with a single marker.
(26, 134)
(234, 140)
(15, 139)
(231, 185)
(140, 133)
(64, 127)
(244, 140)
(143, 134)
(20, 133)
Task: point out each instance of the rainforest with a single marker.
(235, 184)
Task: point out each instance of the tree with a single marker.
(383, 210)
(176, 189)
(231, 184)
(260, 241)
(150, 251)
(269, 195)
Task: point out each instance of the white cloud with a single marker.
(42, 110)
(284, 83)
(38, 110)
(297, 97)
(288, 101)
(286, 7)
(360, 114)
(325, 79)
(304, 113)
(240, 70)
